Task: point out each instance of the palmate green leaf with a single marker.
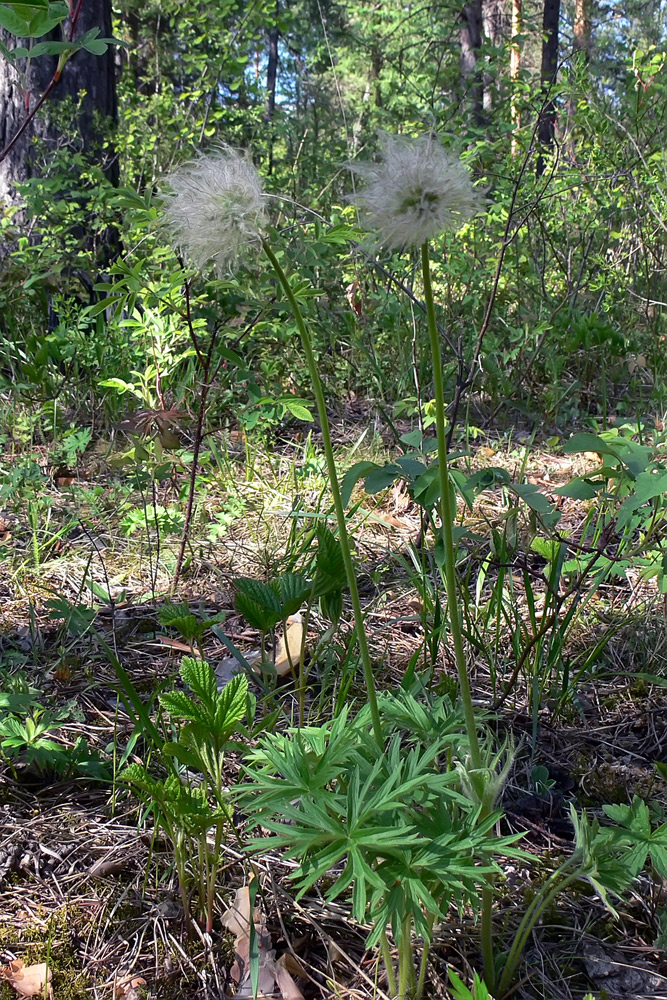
(659, 855)
(303, 762)
(480, 990)
(403, 896)
(635, 817)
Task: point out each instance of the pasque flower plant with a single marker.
(214, 208)
(416, 191)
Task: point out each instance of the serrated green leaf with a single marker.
(293, 589)
(261, 594)
(180, 706)
(585, 441)
(352, 477)
(256, 614)
(383, 476)
(200, 678)
(330, 575)
(184, 755)
(231, 706)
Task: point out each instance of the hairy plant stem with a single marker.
(447, 516)
(386, 958)
(551, 888)
(335, 492)
(423, 966)
(451, 588)
(406, 969)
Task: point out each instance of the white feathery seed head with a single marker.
(214, 208)
(416, 191)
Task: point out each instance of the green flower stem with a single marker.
(423, 966)
(486, 939)
(335, 493)
(405, 967)
(552, 887)
(386, 958)
(447, 515)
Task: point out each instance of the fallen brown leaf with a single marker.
(27, 980)
(111, 866)
(290, 645)
(272, 973)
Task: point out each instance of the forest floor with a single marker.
(85, 888)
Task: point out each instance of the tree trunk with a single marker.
(494, 24)
(582, 28)
(471, 70)
(272, 72)
(581, 58)
(548, 76)
(83, 72)
(271, 79)
(515, 68)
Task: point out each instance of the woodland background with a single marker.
(161, 466)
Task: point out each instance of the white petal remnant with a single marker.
(416, 191)
(214, 207)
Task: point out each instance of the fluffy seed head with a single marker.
(415, 191)
(214, 207)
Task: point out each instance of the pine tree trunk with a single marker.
(83, 72)
(548, 76)
(582, 27)
(471, 70)
(515, 68)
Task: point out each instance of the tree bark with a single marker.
(582, 28)
(471, 70)
(548, 76)
(515, 69)
(84, 72)
(272, 71)
(494, 25)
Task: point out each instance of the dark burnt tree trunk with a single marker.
(95, 110)
(548, 75)
(271, 80)
(471, 70)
